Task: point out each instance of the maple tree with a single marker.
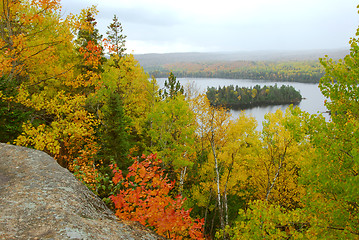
(29, 47)
(26, 41)
(144, 196)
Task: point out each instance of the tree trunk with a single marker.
(277, 173)
(183, 175)
(220, 209)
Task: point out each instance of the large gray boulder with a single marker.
(41, 200)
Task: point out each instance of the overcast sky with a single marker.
(160, 26)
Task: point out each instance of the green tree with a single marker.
(172, 135)
(115, 139)
(12, 114)
(262, 220)
(37, 65)
(332, 177)
(172, 87)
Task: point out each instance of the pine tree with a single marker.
(88, 42)
(172, 87)
(116, 38)
(115, 138)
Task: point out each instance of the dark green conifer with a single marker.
(114, 135)
(172, 87)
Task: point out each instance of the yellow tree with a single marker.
(235, 159)
(26, 42)
(212, 125)
(135, 88)
(39, 58)
(278, 161)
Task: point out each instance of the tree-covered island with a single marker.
(243, 97)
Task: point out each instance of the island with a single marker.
(247, 97)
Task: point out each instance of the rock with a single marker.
(41, 200)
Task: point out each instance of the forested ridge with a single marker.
(282, 71)
(168, 158)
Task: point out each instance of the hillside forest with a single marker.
(167, 158)
(305, 71)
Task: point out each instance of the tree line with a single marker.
(287, 71)
(168, 158)
(242, 97)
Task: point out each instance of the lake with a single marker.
(312, 103)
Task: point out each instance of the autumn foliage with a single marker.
(296, 178)
(145, 197)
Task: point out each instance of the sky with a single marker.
(166, 26)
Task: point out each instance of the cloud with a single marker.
(143, 16)
(198, 25)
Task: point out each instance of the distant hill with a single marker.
(156, 59)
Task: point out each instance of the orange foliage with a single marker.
(145, 198)
(92, 53)
(79, 152)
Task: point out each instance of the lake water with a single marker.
(312, 103)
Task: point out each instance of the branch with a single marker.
(54, 76)
(342, 229)
(346, 153)
(276, 175)
(275, 178)
(54, 43)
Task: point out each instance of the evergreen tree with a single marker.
(88, 31)
(114, 136)
(88, 42)
(12, 114)
(172, 87)
(116, 38)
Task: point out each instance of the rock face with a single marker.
(41, 200)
